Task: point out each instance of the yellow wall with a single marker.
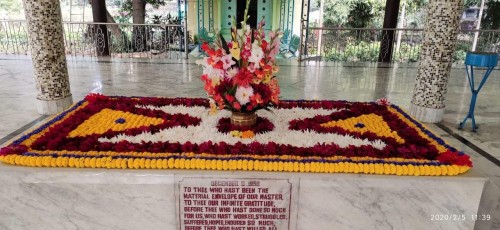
(193, 17)
(276, 14)
(192, 23)
(296, 17)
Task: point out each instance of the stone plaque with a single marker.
(234, 204)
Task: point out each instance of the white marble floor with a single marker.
(312, 80)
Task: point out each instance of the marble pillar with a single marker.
(440, 34)
(47, 52)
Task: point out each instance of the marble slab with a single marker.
(48, 198)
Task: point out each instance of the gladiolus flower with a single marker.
(235, 51)
(236, 105)
(227, 61)
(257, 54)
(231, 72)
(229, 98)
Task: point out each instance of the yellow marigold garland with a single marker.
(252, 165)
(439, 147)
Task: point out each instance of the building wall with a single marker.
(218, 4)
(192, 19)
(297, 10)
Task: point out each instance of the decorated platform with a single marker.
(185, 133)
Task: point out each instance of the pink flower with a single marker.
(227, 61)
(274, 48)
(231, 72)
(245, 53)
(251, 67)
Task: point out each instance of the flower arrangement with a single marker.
(169, 133)
(238, 74)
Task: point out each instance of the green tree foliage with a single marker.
(126, 8)
(468, 3)
(491, 18)
(9, 7)
(336, 12)
(368, 13)
(352, 13)
(360, 14)
(415, 12)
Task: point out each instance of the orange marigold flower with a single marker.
(247, 134)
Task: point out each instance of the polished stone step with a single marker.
(66, 198)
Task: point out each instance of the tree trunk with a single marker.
(138, 17)
(115, 30)
(120, 39)
(138, 11)
(100, 32)
(390, 22)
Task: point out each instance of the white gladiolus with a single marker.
(257, 54)
(209, 70)
(203, 62)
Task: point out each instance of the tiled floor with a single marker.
(353, 82)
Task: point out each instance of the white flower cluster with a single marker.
(281, 134)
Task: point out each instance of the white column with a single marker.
(47, 52)
(440, 34)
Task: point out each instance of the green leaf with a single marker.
(224, 44)
(232, 91)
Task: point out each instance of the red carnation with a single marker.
(243, 78)
(93, 97)
(454, 158)
(13, 149)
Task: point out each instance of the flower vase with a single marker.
(243, 119)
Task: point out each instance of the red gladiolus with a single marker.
(245, 54)
(237, 105)
(219, 65)
(230, 98)
(206, 47)
(264, 45)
